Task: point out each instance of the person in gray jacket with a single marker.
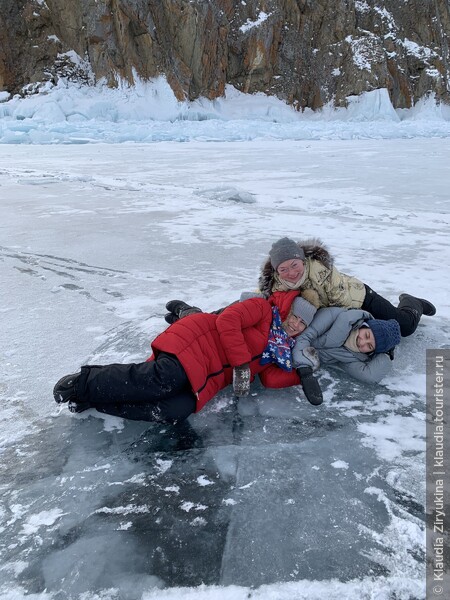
(350, 339)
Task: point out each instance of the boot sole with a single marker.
(429, 310)
(78, 407)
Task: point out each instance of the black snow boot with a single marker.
(428, 309)
(171, 318)
(413, 308)
(65, 389)
(180, 309)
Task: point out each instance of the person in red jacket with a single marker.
(195, 358)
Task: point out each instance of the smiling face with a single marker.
(291, 270)
(294, 325)
(365, 340)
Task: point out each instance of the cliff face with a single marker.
(306, 52)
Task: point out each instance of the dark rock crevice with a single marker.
(306, 53)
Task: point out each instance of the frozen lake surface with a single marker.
(263, 498)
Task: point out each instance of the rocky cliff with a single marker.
(306, 52)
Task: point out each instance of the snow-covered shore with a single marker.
(149, 112)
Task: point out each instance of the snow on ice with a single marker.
(267, 497)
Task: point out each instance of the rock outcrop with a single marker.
(307, 52)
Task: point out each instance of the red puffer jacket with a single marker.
(209, 346)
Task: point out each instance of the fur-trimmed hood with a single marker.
(313, 248)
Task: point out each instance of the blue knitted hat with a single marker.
(386, 334)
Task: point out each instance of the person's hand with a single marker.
(311, 387)
(311, 358)
(241, 380)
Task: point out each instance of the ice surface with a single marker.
(267, 497)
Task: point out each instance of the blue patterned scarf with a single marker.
(278, 349)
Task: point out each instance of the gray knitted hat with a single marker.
(304, 309)
(285, 249)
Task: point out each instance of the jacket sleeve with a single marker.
(337, 288)
(323, 320)
(371, 371)
(274, 377)
(230, 324)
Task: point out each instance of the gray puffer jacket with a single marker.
(328, 332)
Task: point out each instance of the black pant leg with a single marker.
(137, 384)
(170, 410)
(380, 308)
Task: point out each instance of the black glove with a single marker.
(241, 380)
(311, 387)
